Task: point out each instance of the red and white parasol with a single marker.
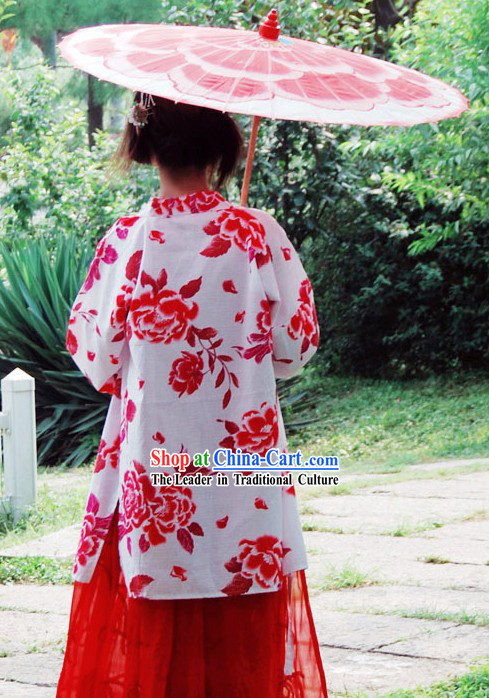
(262, 74)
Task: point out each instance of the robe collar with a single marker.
(195, 202)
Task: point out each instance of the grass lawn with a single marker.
(382, 426)
(61, 498)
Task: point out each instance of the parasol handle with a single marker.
(249, 160)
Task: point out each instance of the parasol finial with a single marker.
(270, 28)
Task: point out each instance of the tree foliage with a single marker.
(442, 166)
(5, 13)
(52, 181)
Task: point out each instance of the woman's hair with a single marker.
(181, 136)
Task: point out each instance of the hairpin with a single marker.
(140, 111)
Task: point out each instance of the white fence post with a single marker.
(18, 421)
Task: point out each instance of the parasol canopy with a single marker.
(260, 73)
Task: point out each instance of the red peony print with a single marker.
(186, 373)
(171, 510)
(304, 323)
(133, 265)
(193, 203)
(158, 236)
(264, 318)
(107, 454)
(261, 341)
(235, 225)
(222, 523)
(167, 206)
(179, 572)
(259, 562)
(112, 386)
(258, 431)
(228, 286)
(138, 583)
(264, 257)
(128, 413)
(134, 506)
(71, 342)
(208, 334)
(163, 315)
(123, 224)
(104, 253)
(93, 533)
(123, 299)
(158, 437)
(159, 511)
(117, 317)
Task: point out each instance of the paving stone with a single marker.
(464, 533)
(394, 598)
(463, 549)
(464, 486)
(23, 630)
(457, 577)
(39, 668)
(49, 598)
(62, 543)
(365, 632)
(380, 513)
(351, 671)
(398, 560)
(459, 643)
(13, 689)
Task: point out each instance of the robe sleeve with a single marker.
(96, 332)
(295, 329)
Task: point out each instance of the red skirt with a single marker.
(256, 646)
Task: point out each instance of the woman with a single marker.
(190, 309)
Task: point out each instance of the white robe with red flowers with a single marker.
(190, 309)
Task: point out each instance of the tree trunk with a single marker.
(412, 7)
(95, 112)
(385, 13)
(117, 117)
(47, 44)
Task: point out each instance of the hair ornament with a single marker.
(140, 111)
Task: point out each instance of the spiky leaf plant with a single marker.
(37, 289)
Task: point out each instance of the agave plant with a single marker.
(298, 400)
(37, 289)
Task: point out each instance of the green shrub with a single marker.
(422, 190)
(53, 181)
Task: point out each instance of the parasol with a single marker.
(262, 74)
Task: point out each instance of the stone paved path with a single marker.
(417, 548)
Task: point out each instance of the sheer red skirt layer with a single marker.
(257, 646)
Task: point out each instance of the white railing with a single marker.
(18, 431)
